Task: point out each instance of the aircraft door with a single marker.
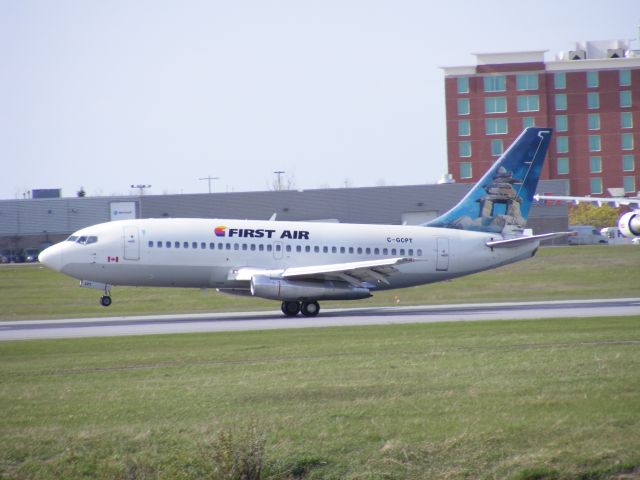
(278, 250)
(442, 259)
(131, 243)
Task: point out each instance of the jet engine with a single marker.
(296, 290)
(629, 224)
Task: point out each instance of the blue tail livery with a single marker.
(502, 198)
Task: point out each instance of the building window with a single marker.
(464, 128)
(463, 106)
(495, 105)
(561, 101)
(625, 98)
(626, 120)
(495, 83)
(463, 84)
(595, 144)
(560, 80)
(528, 103)
(592, 79)
(496, 126)
(629, 184)
(624, 78)
(596, 185)
(528, 122)
(465, 170)
(595, 164)
(526, 81)
(593, 121)
(628, 163)
(563, 166)
(627, 141)
(497, 147)
(562, 123)
(562, 144)
(593, 100)
(465, 149)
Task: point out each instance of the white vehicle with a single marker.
(300, 263)
(586, 235)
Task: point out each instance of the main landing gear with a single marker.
(308, 309)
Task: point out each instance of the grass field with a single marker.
(34, 292)
(523, 399)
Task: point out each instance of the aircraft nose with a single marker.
(51, 257)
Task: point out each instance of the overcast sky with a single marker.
(105, 94)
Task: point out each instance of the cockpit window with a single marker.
(72, 238)
(86, 240)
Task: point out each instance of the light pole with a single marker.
(279, 173)
(141, 187)
(209, 178)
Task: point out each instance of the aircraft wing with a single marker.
(517, 241)
(356, 273)
(617, 201)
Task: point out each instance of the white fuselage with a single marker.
(204, 253)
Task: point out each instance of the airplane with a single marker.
(628, 223)
(300, 263)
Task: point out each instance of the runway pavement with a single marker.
(227, 322)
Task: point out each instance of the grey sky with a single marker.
(103, 94)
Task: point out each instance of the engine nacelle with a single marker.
(297, 290)
(629, 224)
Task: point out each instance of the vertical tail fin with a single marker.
(502, 198)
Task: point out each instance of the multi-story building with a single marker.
(589, 95)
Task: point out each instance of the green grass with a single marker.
(34, 292)
(521, 399)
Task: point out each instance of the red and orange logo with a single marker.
(220, 231)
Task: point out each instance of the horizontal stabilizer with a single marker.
(516, 242)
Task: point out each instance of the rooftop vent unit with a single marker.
(615, 53)
(577, 54)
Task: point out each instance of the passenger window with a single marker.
(244, 247)
(221, 246)
(150, 243)
(253, 247)
(307, 248)
(334, 249)
(159, 244)
(204, 245)
(261, 247)
(350, 249)
(288, 248)
(376, 251)
(168, 244)
(419, 252)
(393, 251)
(359, 250)
(269, 248)
(298, 248)
(316, 249)
(212, 246)
(402, 251)
(342, 249)
(228, 245)
(411, 252)
(368, 251)
(176, 244)
(185, 244)
(325, 249)
(236, 246)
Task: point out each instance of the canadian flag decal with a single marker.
(113, 259)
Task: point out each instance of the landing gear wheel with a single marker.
(105, 300)
(310, 309)
(290, 309)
